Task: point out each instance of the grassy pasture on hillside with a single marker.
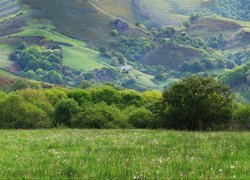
(78, 18)
(124, 154)
(8, 7)
(120, 8)
(77, 55)
(5, 50)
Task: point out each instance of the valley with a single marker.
(124, 89)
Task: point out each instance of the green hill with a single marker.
(8, 7)
(129, 32)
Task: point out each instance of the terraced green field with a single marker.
(124, 154)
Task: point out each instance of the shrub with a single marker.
(114, 32)
(140, 117)
(197, 103)
(79, 95)
(20, 84)
(64, 110)
(241, 117)
(15, 112)
(100, 116)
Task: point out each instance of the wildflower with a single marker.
(232, 167)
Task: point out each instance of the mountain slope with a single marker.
(78, 19)
(8, 7)
(143, 44)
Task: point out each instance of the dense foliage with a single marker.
(194, 103)
(198, 103)
(44, 63)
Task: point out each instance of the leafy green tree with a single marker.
(85, 84)
(194, 16)
(54, 59)
(100, 116)
(54, 77)
(152, 100)
(187, 24)
(140, 117)
(105, 94)
(15, 112)
(114, 32)
(54, 95)
(130, 98)
(79, 95)
(241, 116)
(30, 74)
(64, 110)
(197, 103)
(20, 84)
(38, 98)
(115, 61)
(22, 46)
(102, 50)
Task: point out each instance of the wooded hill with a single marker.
(136, 44)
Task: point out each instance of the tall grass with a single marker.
(124, 154)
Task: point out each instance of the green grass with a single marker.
(144, 81)
(77, 56)
(5, 51)
(81, 58)
(119, 8)
(123, 154)
(5, 79)
(148, 82)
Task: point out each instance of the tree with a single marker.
(54, 77)
(64, 110)
(114, 32)
(114, 61)
(106, 94)
(85, 84)
(194, 16)
(241, 116)
(187, 24)
(22, 46)
(197, 103)
(20, 84)
(80, 96)
(30, 74)
(140, 117)
(15, 112)
(100, 116)
(102, 50)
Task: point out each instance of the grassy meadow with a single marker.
(124, 154)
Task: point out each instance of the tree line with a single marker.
(195, 103)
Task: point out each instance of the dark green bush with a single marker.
(140, 117)
(100, 116)
(197, 103)
(15, 112)
(64, 110)
(241, 117)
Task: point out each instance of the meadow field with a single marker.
(124, 154)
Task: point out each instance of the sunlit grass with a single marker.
(124, 154)
(76, 55)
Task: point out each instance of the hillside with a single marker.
(157, 42)
(8, 7)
